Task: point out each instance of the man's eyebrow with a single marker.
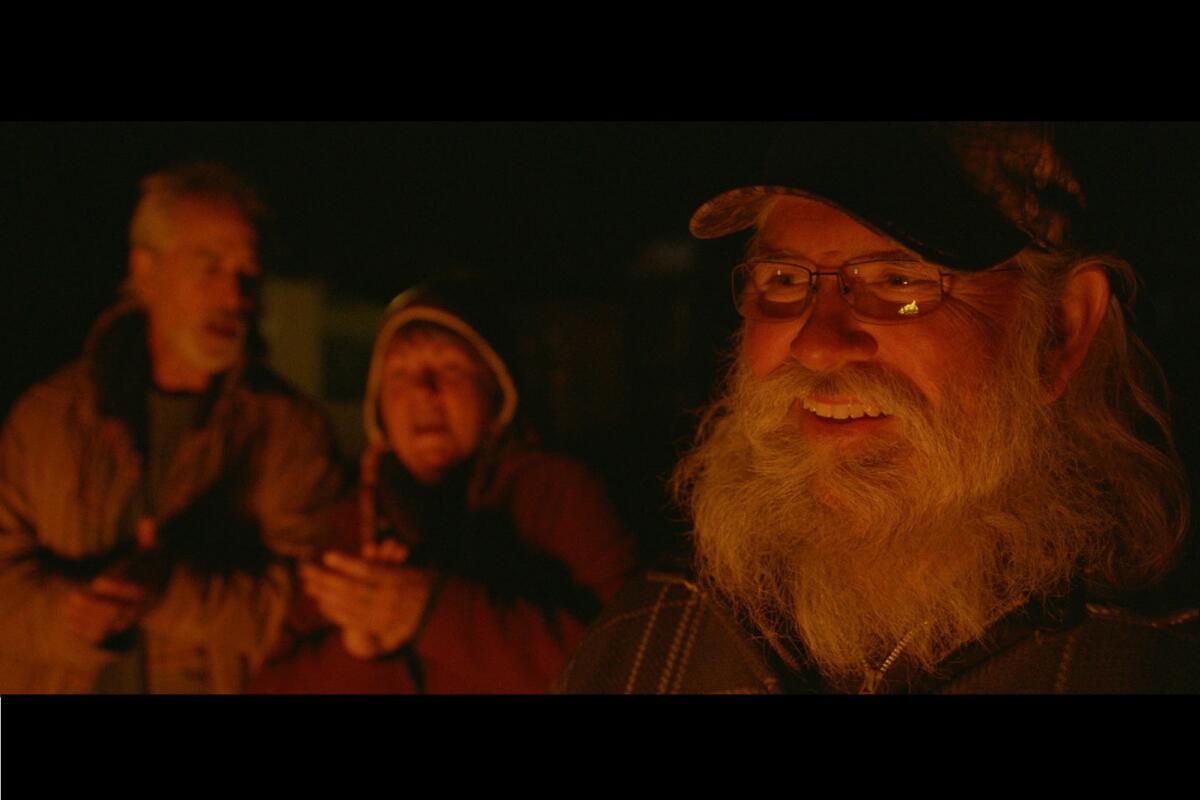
(885, 255)
(754, 250)
(208, 255)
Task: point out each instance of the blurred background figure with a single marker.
(150, 491)
(482, 556)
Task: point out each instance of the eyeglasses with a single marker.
(891, 290)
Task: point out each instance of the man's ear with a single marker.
(1084, 303)
(141, 266)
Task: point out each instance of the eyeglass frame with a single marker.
(814, 273)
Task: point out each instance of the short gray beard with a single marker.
(964, 516)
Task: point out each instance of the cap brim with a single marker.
(739, 209)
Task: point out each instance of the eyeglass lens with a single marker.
(887, 291)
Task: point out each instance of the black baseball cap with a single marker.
(968, 195)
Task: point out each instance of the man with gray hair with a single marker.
(151, 492)
(937, 461)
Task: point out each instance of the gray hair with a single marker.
(205, 180)
(1115, 405)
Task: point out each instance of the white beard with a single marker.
(936, 533)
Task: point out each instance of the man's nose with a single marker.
(831, 337)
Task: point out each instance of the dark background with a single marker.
(570, 216)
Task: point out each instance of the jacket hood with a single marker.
(436, 303)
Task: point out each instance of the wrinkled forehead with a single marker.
(195, 220)
(819, 232)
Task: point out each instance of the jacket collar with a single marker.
(1043, 614)
(117, 365)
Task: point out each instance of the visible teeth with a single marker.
(841, 410)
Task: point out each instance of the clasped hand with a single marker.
(106, 607)
(111, 602)
(376, 600)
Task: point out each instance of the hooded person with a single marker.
(481, 556)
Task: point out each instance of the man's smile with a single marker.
(839, 408)
(844, 420)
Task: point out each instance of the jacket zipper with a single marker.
(873, 678)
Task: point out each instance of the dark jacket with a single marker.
(664, 635)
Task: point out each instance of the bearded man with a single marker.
(937, 460)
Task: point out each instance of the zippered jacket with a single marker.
(248, 489)
(663, 634)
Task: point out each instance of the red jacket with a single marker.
(471, 643)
